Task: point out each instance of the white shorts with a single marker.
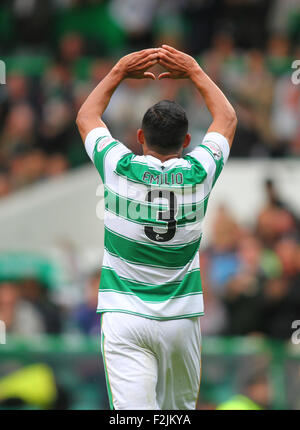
(151, 364)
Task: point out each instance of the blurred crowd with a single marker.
(55, 52)
(250, 280)
(246, 46)
(251, 276)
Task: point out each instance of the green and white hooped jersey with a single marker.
(153, 225)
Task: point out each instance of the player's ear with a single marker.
(187, 140)
(140, 136)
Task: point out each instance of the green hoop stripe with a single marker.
(135, 172)
(151, 317)
(191, 284)
(146, 213)
(148, 254)
(99, 156)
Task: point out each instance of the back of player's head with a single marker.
(165, 126)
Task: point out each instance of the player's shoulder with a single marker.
(217, 145)
(212, 152)
(99, 141)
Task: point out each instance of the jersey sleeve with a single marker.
(104, 150)
(212, 153)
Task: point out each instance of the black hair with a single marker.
(165, 126)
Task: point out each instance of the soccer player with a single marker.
(150, 293)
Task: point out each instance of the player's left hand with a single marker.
(178, 64)
(135, 65)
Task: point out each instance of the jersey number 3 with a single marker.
(167, 216)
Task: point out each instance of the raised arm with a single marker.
(179, 66)
(131, 66)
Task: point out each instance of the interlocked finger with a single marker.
(167, 64)
(145, 60)
(170, 49)
(147, 65)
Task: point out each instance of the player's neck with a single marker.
(161, 157)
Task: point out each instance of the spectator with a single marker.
(40, 100)
(37, 295)
(19, 315)
(280, 307)
(85, 316)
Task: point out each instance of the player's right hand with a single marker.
(136, 64)
(178, 64)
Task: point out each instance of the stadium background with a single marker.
(55, 52)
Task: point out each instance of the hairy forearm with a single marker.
(98, 100)
(215, 100)
(90, 113)
(133, 66)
